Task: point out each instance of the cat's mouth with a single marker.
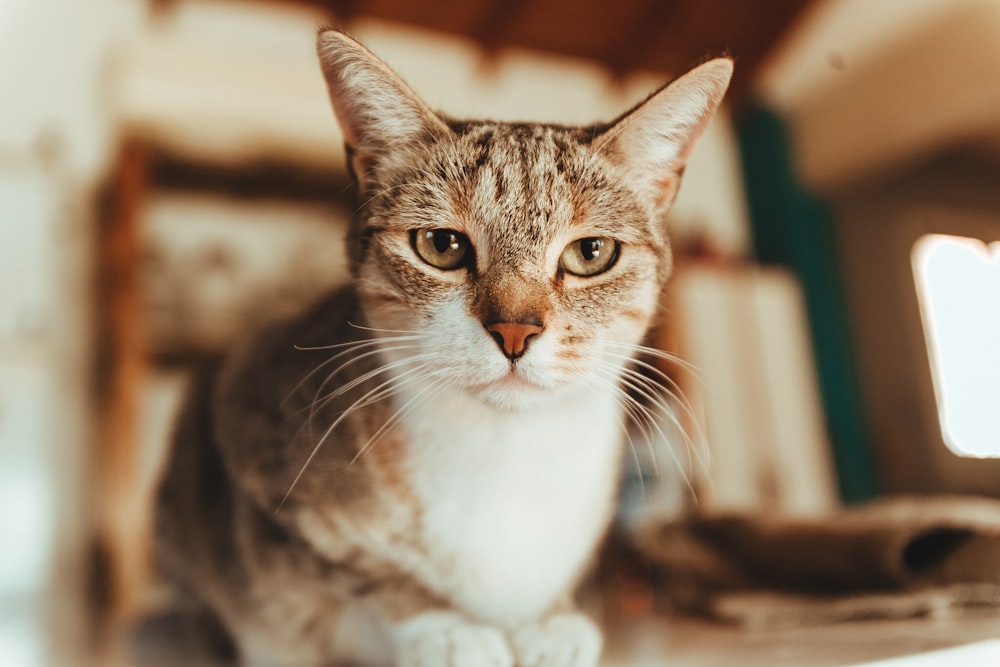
(514, 390)
(514, 379)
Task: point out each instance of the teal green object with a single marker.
(792, 228)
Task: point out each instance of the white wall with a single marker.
(55, 138)
(54, 74)
(868, 85)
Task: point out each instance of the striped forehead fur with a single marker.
(516, 181)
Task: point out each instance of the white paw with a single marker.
(442, 639)
(562, 640)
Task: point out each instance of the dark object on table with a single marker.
(894, 558)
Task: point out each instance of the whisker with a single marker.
(631, 414)
(367, 342)
(435, 388)
(364, 377)
(417, 334)
(384, 389)
(651, 390)
(653, 368)
(658, 353)
(641, 415)
(360, 402)
(671, 387)
(358, 345)
(592, 381)
(393, 386)
(319, 402)
(648, 424)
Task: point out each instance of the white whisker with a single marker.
(355, 346)
(434, 388)
(366, 342)
(642, 417)
(659, 354)
(670, 386)
(383, 390)
(416, 334)
(672, 390)
(384, 368)
(656, 394)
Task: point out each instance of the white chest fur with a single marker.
(514, 501)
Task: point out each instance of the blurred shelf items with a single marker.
(171, 175)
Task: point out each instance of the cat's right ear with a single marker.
(378, 113)
(654, 140)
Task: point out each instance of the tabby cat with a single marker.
(417, 470)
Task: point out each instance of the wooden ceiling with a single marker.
(663, 35)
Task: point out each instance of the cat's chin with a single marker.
(512, 394)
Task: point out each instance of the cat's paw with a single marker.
(561, 640)
(443, 639)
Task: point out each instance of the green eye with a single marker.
(588, 257)
(441, 248)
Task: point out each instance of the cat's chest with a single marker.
(512, 503)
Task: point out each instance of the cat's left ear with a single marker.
(379, 114)
(654, 140)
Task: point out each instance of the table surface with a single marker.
(684, 642)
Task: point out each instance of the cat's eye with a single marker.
(589, 256)
(444, 249)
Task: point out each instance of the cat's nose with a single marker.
(513, 337)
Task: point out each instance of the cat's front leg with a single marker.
(567, 639)
(447, 639)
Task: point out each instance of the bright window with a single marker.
(958, 282)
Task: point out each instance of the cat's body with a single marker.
(419, 468)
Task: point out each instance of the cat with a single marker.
(418, 469)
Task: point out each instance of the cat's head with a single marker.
(511, 260)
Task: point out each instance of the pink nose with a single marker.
(513, 337)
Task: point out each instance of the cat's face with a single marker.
(510, 261)
(520, 256)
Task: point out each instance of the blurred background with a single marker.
(171, 174)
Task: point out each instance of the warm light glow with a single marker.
(958, 282)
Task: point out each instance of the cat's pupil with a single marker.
(445, 241)
(590, 248)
